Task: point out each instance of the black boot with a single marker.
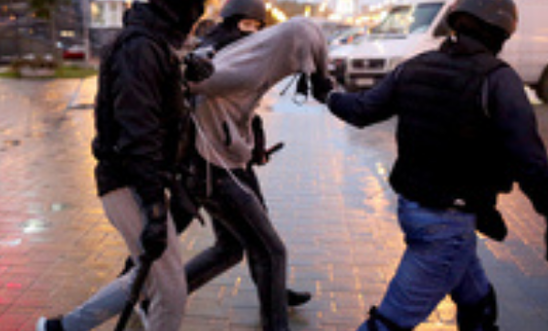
(484, 314)
(295, 298)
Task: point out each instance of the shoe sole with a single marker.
(41, 324)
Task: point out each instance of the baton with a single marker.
(136, 288)
(274, 149)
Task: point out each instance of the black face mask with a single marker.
(224, 34)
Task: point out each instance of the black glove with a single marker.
(258, 154)
(490, 223)
(198, 67)
(321, 86)
(154, 235)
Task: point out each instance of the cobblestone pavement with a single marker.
(328, 197)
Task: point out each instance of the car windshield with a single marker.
(347, 36)
(403, 20)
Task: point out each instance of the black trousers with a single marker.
(241, 224)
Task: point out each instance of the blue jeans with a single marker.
(440, 259)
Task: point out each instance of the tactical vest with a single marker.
(448, 148)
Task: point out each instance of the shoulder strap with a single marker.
(492, 66)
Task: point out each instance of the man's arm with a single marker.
(517, 125)
(516, 122)
(367, 107)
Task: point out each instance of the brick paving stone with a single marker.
(327, 192)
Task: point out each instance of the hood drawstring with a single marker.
(302, 88)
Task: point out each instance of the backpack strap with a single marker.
(490, 65)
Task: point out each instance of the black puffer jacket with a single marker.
(138, 106)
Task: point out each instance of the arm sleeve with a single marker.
(367, 107)
(226, 81)
(517, 125)
(141, 71)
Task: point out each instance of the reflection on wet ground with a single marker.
(327, 192)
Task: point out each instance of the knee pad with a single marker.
(482, 314)
(376, 317)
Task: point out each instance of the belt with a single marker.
(457, 204)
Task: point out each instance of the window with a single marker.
(98, 18)
(408, 19)
(107, 14)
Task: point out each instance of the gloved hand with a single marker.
(490, 222)
(321, 86)
(259, 156)
(154, 235)
(198, 67)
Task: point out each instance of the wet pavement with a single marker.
(327, 193)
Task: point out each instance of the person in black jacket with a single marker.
(137, 116)
(466, 131)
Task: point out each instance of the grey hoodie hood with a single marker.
(244, 72)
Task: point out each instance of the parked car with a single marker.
(74, 52)
(419, 25)
(339, 49)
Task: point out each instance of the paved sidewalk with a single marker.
(327, 193)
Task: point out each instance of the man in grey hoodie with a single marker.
(245, 71)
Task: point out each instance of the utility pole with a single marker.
(85, 7)
(53, 32)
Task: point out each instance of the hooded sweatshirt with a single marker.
(244, 72)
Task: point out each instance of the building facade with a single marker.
(22, 33)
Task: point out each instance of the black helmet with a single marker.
(183, 12)
(501, 14)
(254, 9)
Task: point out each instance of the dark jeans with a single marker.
(241, 224)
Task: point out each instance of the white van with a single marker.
(339, 49)
(419, 25)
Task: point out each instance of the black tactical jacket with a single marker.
(138, 106)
